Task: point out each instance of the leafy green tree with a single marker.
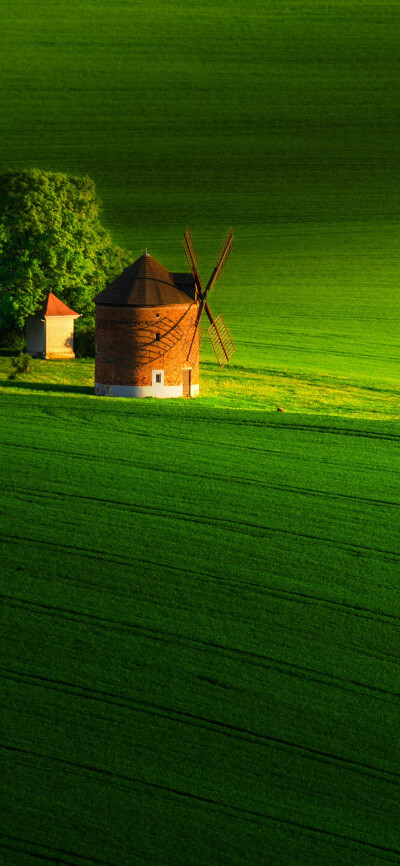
(52, 240)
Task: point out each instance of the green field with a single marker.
(200, 623)
(200, 634)
(255, 113)
(279, 118)
(234, 387)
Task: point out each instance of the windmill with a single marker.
(219, 335)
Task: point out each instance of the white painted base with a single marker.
(157, 390)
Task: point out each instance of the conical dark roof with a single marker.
(146, 283)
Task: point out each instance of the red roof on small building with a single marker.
(54, 307)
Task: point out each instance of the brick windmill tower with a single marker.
(148, 328)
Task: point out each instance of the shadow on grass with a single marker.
(8, 353)
(47, 386)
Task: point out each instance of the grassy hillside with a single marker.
(206, 111)
(201, 628)
(199, 655)
(279, 118)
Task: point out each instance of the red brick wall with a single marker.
(127, 348)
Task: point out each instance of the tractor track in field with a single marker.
(277, 452)
(291, 595)
(371, 848)
(246, 656)
(253, 530)
(49, 854)
(215, 726)
(220, 478)
(129, 562)
(243, 527)
(135, 427)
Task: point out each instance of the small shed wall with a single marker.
(129, 355)
(36, 336)
(60, 337)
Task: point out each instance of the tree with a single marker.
(51, 240)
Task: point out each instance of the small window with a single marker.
(157, 315)
(158, 377)
(158, 336)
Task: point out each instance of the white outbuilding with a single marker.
(50, 332)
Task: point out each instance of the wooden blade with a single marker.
(226, 250)
(190, 242)
(191, 256)
(219, 335)
(195, 346)
(221, 341)
(223, 257)
(196, 328)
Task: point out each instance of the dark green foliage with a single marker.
(13, 338)
(84, 341)
(51, 240)
(200, 641)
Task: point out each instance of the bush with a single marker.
(84, 343)
(21, 364)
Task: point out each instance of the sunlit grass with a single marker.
(231, 387)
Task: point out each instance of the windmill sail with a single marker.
(220, 337)
(194, 345)
(221, 341)
(191, 255)
(188, 239)
(225, 253)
